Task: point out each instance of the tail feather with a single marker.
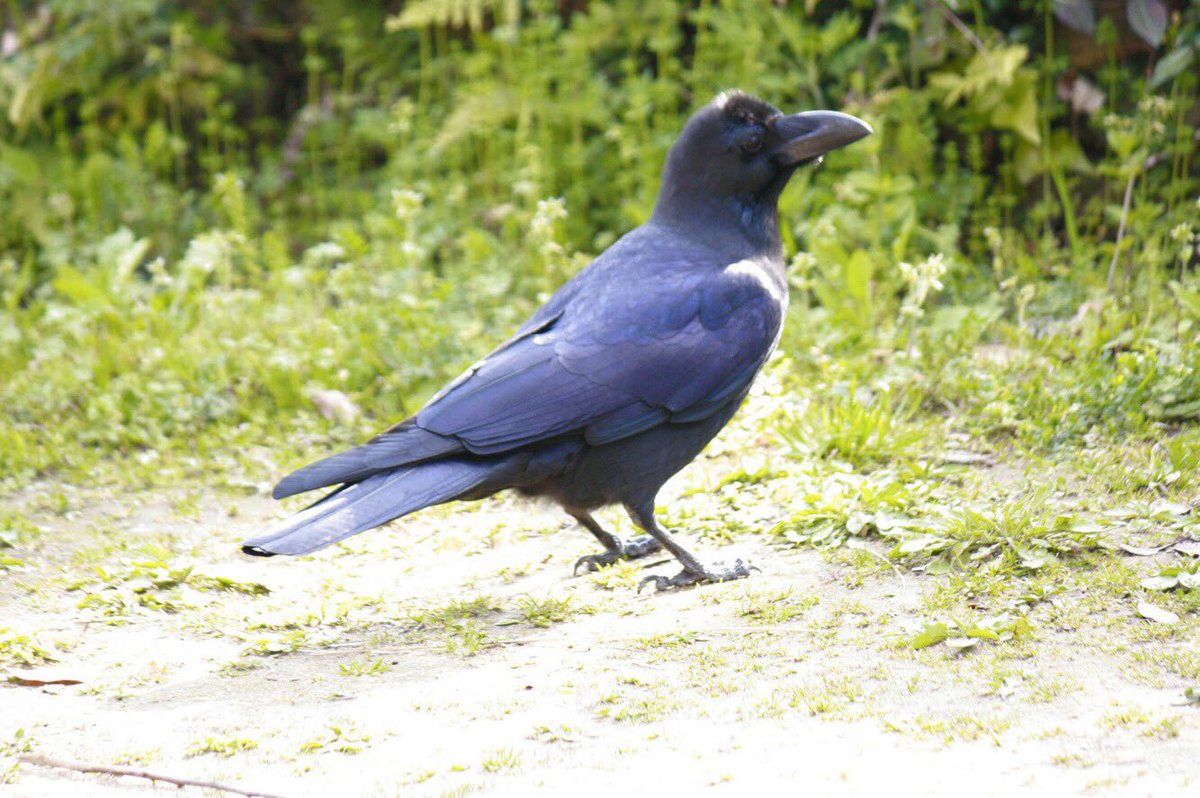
(402, 445)
(376, 500)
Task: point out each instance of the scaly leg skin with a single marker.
(614, 548)
(685, 578)
(693, 572)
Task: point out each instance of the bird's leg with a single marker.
(693, 572)
(614, 548)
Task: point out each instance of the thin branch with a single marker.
(876, 20)
(1112, 266)
(1152, 160)
(949, 14)
(1156, 158)
(293, 145)
(116, 770)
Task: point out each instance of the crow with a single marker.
(623, 376)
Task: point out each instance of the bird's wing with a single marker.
(622, 360)
(404, 444)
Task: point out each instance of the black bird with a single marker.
(623, 376)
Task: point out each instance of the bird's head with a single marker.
(735, 155)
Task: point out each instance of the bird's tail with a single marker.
(376, 500)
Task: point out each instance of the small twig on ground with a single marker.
(116, 770)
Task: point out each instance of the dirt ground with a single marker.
(455, 653)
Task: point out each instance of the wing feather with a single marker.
(610, 370)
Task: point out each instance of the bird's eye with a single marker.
(752, 140)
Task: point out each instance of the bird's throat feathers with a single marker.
(741, 226)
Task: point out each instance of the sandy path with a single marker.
(793, 680)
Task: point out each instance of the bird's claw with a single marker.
(629, 550)
(685, 578)
(594, 562)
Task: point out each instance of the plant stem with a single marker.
(1112, 266)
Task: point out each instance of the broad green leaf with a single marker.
(1019, 110)
(1189, 580)
(939, 566)
(1156, 614)
(1022, 627)
(1148, 18)
(74, 285)
(1032, 558)
(1188, 298)
(18, 163)
(1165, 509)
(933, 634)
(858, 276)
(859, 523)
(917, 544)
(1076, 14)
(985, 72)
(1140, 551)
(1183, 410)
(981, 632)
(962, 642)
(1171, 65)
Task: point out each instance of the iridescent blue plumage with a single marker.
(623, 376)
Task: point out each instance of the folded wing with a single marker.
(607, 365)
(609, 372)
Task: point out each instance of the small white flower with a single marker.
(541, 226)
(407, 202)
(159, 276)
(922, 279)
(412, 251)
(208, 252)
(324, 252)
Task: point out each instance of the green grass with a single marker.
(547, 611)
(863, 431)
(460, 622)
(340, 737)
(457, 610)
(179, 279)
(364, 667)
(24, 648)
(503, 759)
(773, 607)
(622, 707)
(831, 695)
(221, 746)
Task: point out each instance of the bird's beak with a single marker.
(811, 134)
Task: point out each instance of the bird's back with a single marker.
(634, 311)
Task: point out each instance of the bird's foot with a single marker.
(739, 570)
(629, 550)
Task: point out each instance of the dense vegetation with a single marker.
(207, 216)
